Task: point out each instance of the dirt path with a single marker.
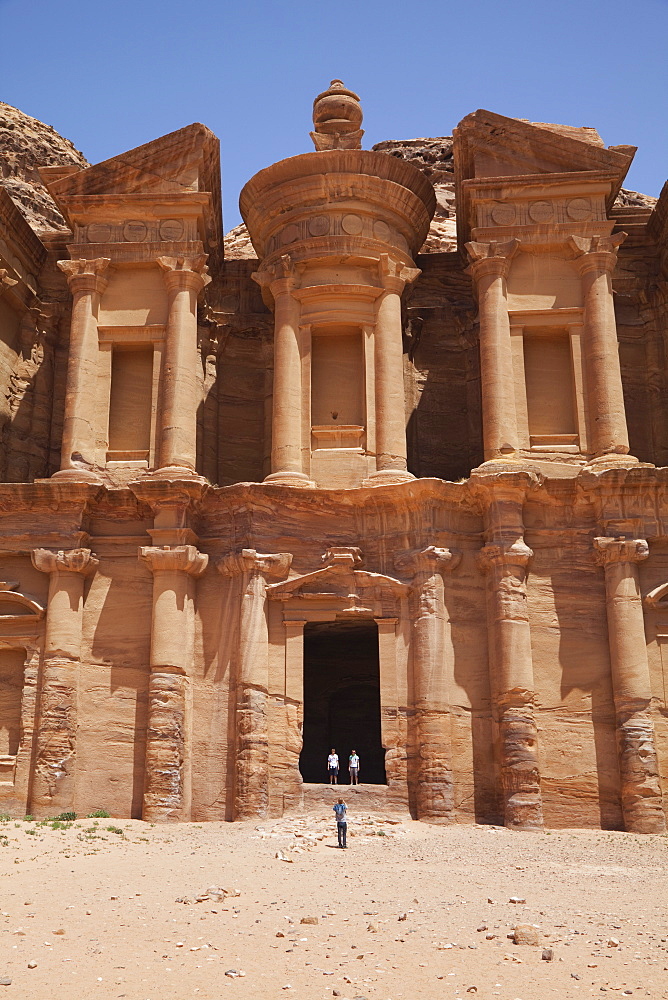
(109, 909)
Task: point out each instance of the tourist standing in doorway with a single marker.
(354, 768)
(341, 810)
(333, 767)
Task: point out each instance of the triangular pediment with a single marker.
(491, 145)
(182, 162)
(334, 580)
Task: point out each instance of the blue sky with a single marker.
(112, 76)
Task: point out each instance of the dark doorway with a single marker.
(342, 700)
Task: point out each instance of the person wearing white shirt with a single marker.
(333, 767)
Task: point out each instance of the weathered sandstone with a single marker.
(384, 470)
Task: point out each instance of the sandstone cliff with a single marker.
(25, 145)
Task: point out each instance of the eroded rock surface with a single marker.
(25, 145)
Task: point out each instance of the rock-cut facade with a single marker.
(383, 470)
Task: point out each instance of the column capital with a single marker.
(395, 274)
(185, 272)
(174, 558)
(620, 549)
(280, 275)
(270, 565)
(505, 556)
(491, 258)
(596, 253)
(64, 561)
(428, 561)
(85, 275)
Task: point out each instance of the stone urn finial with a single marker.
(337, 117)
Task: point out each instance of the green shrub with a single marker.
(66, 817)
(98, 814)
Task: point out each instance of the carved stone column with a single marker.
(166, 783)
(512, 681)
(389, 375)
(287, 467)
(185, 277)
(642, 805)
(489, 267)
(54, 769)
(504, 560)
(87, 282)
(251, 689)
(435, 791)
(596, 259)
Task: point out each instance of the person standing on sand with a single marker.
(333, 767)
(354, 768)
(341, 810)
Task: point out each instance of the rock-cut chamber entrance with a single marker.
(342, 700)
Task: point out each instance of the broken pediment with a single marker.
(539, 178)
(491, 145)
(16, 607)
(657, 598)
(184, 165)
(339, 577)
(183, 161)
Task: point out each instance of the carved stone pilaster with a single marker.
(55, 761)
(278, 281)
(642, 804)
(490, 263)
(250, 688)
(434, 784)
(511, 669)
(87, 280)
(166, 778)
(185, 277)
(595, 259)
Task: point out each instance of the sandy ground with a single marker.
(117, 908)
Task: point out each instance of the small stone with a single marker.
(613, 943)
(548, 954)
(280, 934)
(233, 974)
(483, 927)
(574, 975)
(373, 928)
(526, 934)
(516, 899)
(5, 981)
(403, 916)
(309, 920)
(472, 989)
(336, 993)
(61, 930)
(489, 900)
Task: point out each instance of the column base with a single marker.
(78, 476)
(514, 464)
(299, 479)
(176, 472)
(614, 460)
(388, 477)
